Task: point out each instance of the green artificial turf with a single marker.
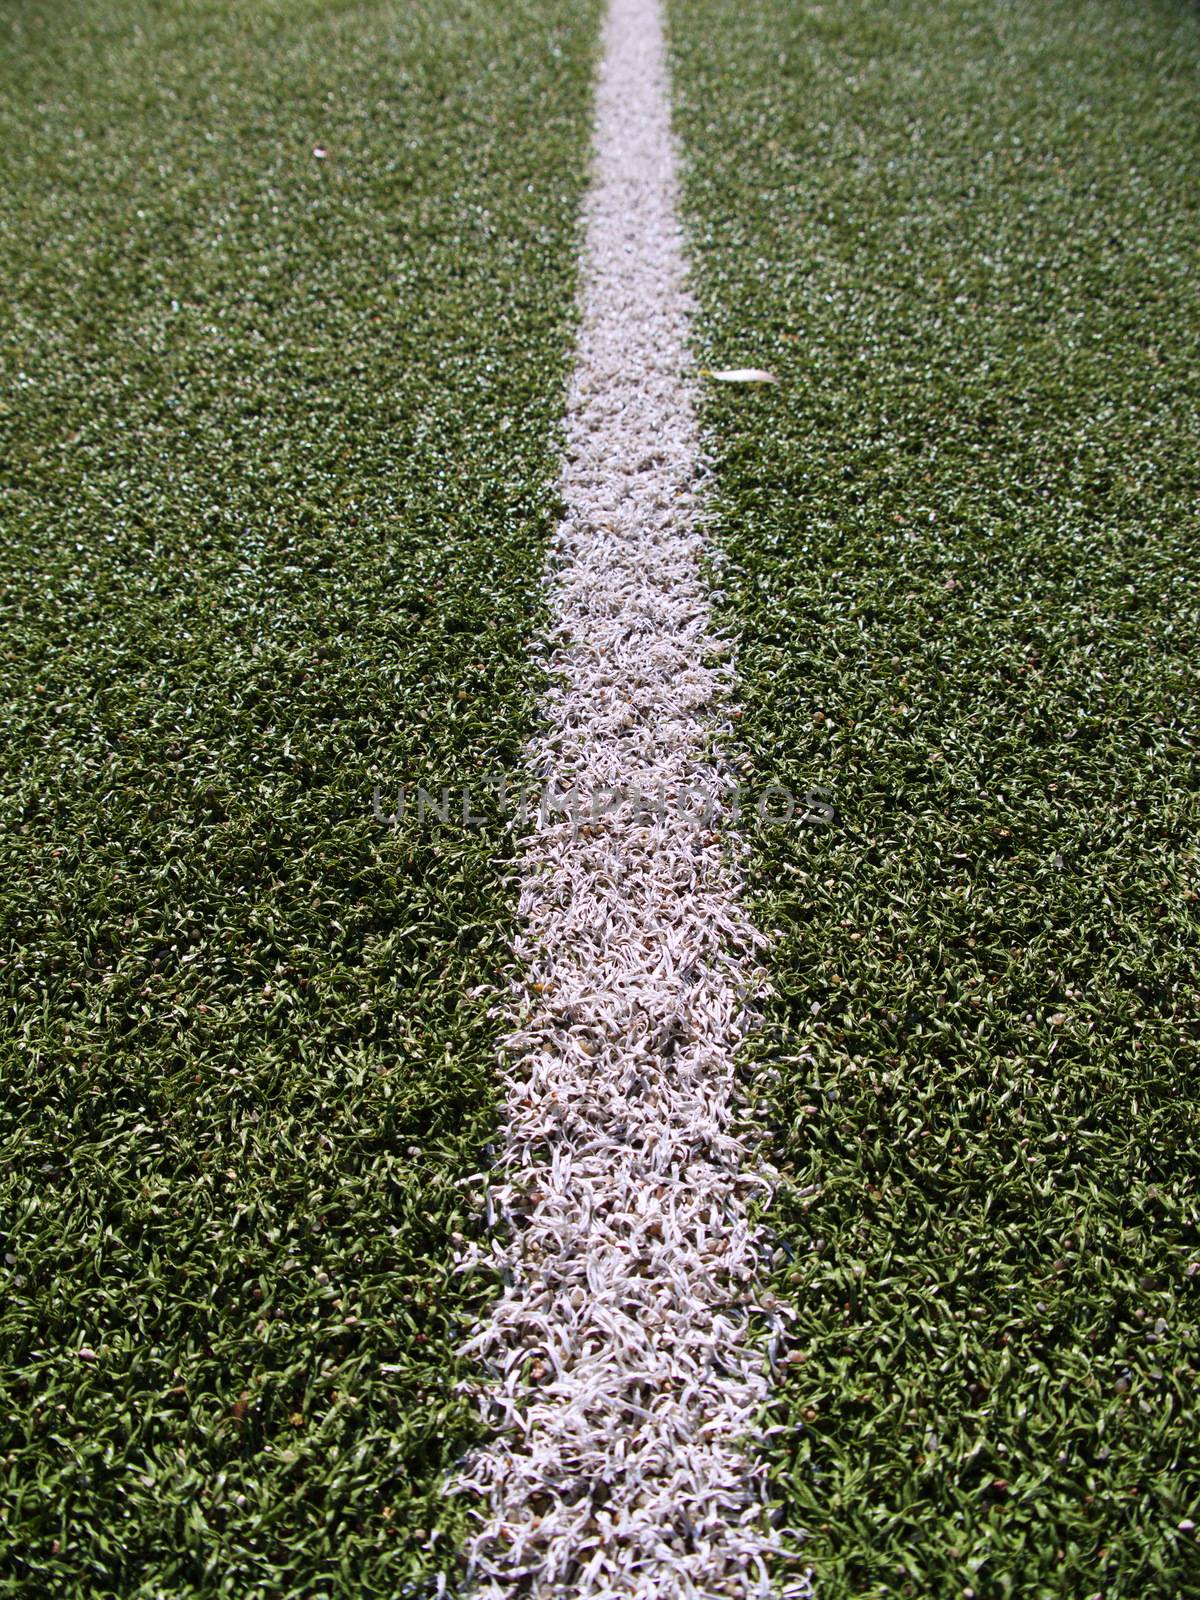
(277, 456)
(963, 555)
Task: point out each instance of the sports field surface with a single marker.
(279, 466)
(303, 316)
(963, 558)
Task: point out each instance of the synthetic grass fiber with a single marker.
(961, 541)
(290, 297)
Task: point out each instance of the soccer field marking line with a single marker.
(621, 1369)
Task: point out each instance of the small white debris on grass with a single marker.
(742, 375)
(620, 1373)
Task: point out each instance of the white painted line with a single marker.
(621, 1372)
